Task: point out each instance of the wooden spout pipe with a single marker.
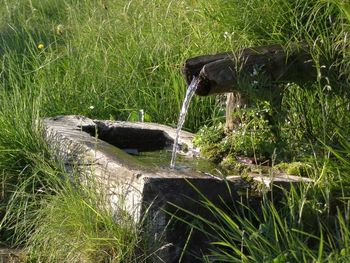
(222, 73)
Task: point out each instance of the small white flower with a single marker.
(91, 107)
(226, 35)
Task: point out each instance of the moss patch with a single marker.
(294, 168)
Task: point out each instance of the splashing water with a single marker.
(189, 94)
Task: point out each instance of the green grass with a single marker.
(76, 225)
(122, 60)
(110, 59)
(298, 232)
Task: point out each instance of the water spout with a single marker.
(189, 94)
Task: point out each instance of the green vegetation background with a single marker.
(108, 59)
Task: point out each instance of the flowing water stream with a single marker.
(189, 94)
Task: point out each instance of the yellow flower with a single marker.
(41, 46)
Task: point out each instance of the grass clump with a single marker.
(276, 237)
(77, 225)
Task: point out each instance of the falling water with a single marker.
(189, 94)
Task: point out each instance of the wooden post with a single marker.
(234, 102)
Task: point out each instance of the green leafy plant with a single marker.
(210, 141)
(254, 136)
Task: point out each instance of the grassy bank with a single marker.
(104, 60)
(111, 59)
